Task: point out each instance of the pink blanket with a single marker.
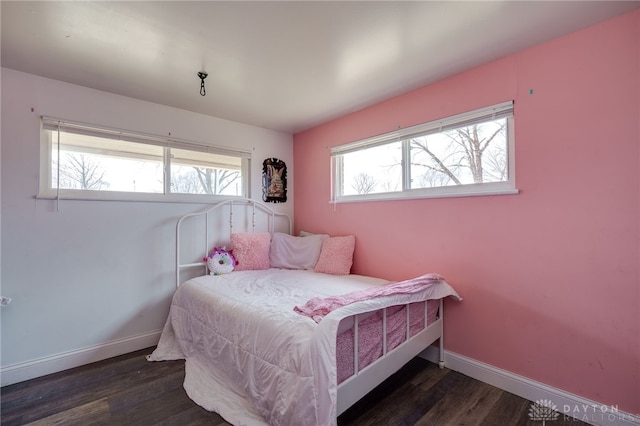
(317, 308)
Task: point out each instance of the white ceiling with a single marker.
(286, 66)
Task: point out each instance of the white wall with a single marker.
(95, 279)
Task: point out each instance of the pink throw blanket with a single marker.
(317, 308)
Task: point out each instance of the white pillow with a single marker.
(291, 252)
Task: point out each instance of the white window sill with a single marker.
(136, 197)
(444, 192)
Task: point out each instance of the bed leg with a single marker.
(441, 340)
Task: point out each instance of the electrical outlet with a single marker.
(4, 301)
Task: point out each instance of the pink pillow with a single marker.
(251, 250)
(336, 256)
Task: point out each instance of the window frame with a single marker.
(494, 112)
(46, 189)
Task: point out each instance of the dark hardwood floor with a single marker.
(129, 390)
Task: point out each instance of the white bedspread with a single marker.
(250, 357)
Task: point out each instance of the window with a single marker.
(90, 162)
(466, 154)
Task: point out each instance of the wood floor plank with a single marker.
(477, 413)
(468, 405)
(194, 416)
(89, 413)
(428, 374)
(139, 393)
(152, 412)
(46, 396)
(436, 396)
(512, 410)
(399, 401)
(87, 383)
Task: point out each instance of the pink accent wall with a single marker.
(550, 277)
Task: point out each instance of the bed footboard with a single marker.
(364, 380)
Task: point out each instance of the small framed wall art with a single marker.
(274, 181)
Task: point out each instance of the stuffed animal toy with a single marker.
(220, 261)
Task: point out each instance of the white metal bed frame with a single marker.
(363, 380)
(272, 215)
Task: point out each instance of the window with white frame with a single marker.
(462, 155)
(91, 162)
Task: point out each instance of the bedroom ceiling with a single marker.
(286, 66)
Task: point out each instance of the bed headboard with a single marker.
(197, 233)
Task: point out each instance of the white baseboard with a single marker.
(63, 361)
(567, 404)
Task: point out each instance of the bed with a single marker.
(283, 343)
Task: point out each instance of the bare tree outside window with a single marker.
(471, 154)
(389, 186)
(432, 179)
(81, 171)
(496, 165)
(215, 181)
(204, 180)
(185, 183)
(363, 183)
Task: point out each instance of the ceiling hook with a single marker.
(202, 75)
